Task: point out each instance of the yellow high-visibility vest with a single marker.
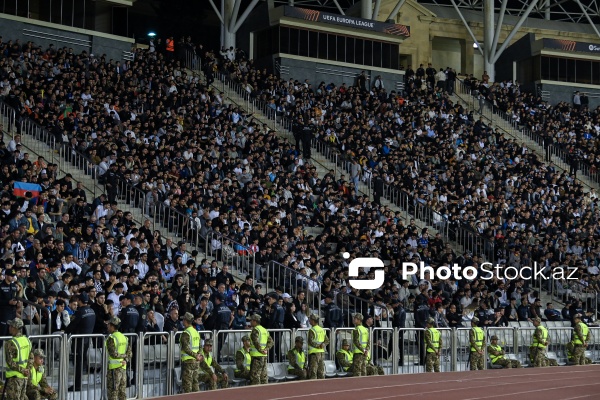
(300, 359)
(536, 343)
(195, 343)
(435, 340)
(319, 334)
(23, 346)
(584, 333)
(363, 334)
(121, 345)
(349, 357)
(262, 341)
(494, 358)
(36, 376)
(247, 359)
(478, 338)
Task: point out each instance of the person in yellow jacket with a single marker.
(539, 344)
(37, 386)
(261, 342)
(191, 355)
(317, 342)
(360, 340)
(344, 356)
(581, 337)
(497, 355)
(433, 345)
(118, 350)
(297, 359)
(19, 360)
(477, 341)
(243, 359)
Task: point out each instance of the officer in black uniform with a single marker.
(223, 318)
(398, 321)
(8, 302)
(130, 318)
(308, 133)
(82, 324)
(112, 182)
(422, 314)
(333, 314)
(137, 303)
(277, 318)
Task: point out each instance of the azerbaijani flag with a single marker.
(20, 188)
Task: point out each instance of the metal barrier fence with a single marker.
(155, 370)
(238, 256)
(292, 282)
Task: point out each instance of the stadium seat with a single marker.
(493, 366)
(553, 356)
(234, 381)
(275, 373)
(94, 358)
(330, 369)
(160, 321)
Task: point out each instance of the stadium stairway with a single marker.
(510, 132)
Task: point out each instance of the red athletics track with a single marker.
(532, 383)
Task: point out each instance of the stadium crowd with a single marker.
(152, 125)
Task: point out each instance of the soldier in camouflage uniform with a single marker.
(261, 342)
(477, 341)
(191, 355)
(360, 340)
(243, 359)
(17, 373)
(344, 356)
(211, 373)
(537, 351)
(569, 348)
(317, 342)
(119, 352)
(433, 344)
(581, 337)
(37, 385)
(297, 359)
(497, 355)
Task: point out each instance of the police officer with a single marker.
(477, 341)
(297, 359)
(111, 179)
(276, 318)
(19, 360)
(539, 344)
(333, 314)
(497, 355)
(581, 337)
(138, 301)
(37, 385)
(433, 345)
(223, 318)
(118, 351)
(129, 315)
(243, 359)
(422, 313)
(261, 343)
(191, 355)
(344, 356)
(317, 342)
(82, 324)
(8, 302)
(398, 321)
(360, 340)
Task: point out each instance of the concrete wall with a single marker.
(317, 72)
(446, 52)
(44, 34)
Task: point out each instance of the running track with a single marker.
(566, 383)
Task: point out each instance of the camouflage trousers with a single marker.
(258, 371)
(211, 384)
(36, 393)
(359, 365)
(16, 389)
(189, 376)
(506, 363)
(374, 370)
(475, 361)
(538, 357)
(316, 366)
(300, 373)
(116, 384)
(245, 374)
(432, 362)
(578, 355)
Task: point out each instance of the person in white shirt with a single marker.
(142, 265)
(115, 297)
(70, 264)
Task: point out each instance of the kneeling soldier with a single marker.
(297, 359)
(37, 386)
(497, 355)
(243, 360)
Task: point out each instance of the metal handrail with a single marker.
(41, 310)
